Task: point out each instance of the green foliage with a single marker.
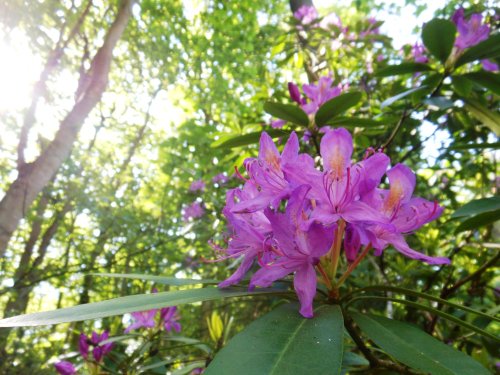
(438, 36)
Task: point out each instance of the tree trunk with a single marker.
(33, 177)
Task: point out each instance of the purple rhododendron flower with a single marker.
(169, 318)
(220, 178)
(489, 65)
(299, 249)
(193, 211)
(94, 340)
(470, 32)
(65, 368)
(197, 185)
(142, 319)
(306, 14)
(418, 52)
(342, 199)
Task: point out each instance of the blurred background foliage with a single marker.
(187, 78)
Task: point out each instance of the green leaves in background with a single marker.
(403, 68)
(128, 304)
(478, 213)
(336, 106)
(415, 348)
(288, 112)
(438, 36)
(489, 48)
(283, 342)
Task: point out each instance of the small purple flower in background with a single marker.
(220, 178)
(380, 58)
(197, 371)
(94, 340)
(489, 65)
(169, 316)
(65, 368)
(418, 52)
(321, 93)
(470, 32)
(306, 14)
(197, 185)
(193, 211)
(143, 319)
(332, 20)
(372, 29)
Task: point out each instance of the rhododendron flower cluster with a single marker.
(166, 317)
(193, 211)
(290, 217)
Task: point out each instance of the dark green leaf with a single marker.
(438, 36)
(468, 146)
(462, 85)
(247, 139)
(479, 221)
(336, 106)
(158, 279)
(410, 292)
(287, 112)
(355, 122)
(415, 348)
(403, 68)
(283, 342)
(432, 310)
(478, 206)
(489, 48)
(487, 80)
(483, 114)
(401, 95)
(129, 304)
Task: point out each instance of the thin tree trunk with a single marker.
(33, 177)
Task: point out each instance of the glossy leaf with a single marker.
(432, 310)
(174, 281)
(439, 102)
(489, 48)
(123, 305)
(479, 221)
(283, 342)
(487, 80)
(483, 114)
(336, 106)
(287, 112)
(478, 206)
(479, 146)
(401, 95)
(438, 36)
(355, 122)
(414, 293)
(248, 139)
(462, 85)
(403, 68)
(415, 348)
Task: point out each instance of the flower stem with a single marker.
(325, 276)
(354, 264)
(339, 233)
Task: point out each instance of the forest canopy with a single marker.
(251, 187)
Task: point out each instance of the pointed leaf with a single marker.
(288, 112)
(478, 206)
(479, 221)
(158, 279)
(336, 106)
(438, 36)
(283, 342)
(462, 85)
(403, 68)
(415, 348)
(247, 139)
(129, 304)
(487, 80)
(483, 114)
(401, 95)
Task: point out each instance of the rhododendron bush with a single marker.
(320, 246)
